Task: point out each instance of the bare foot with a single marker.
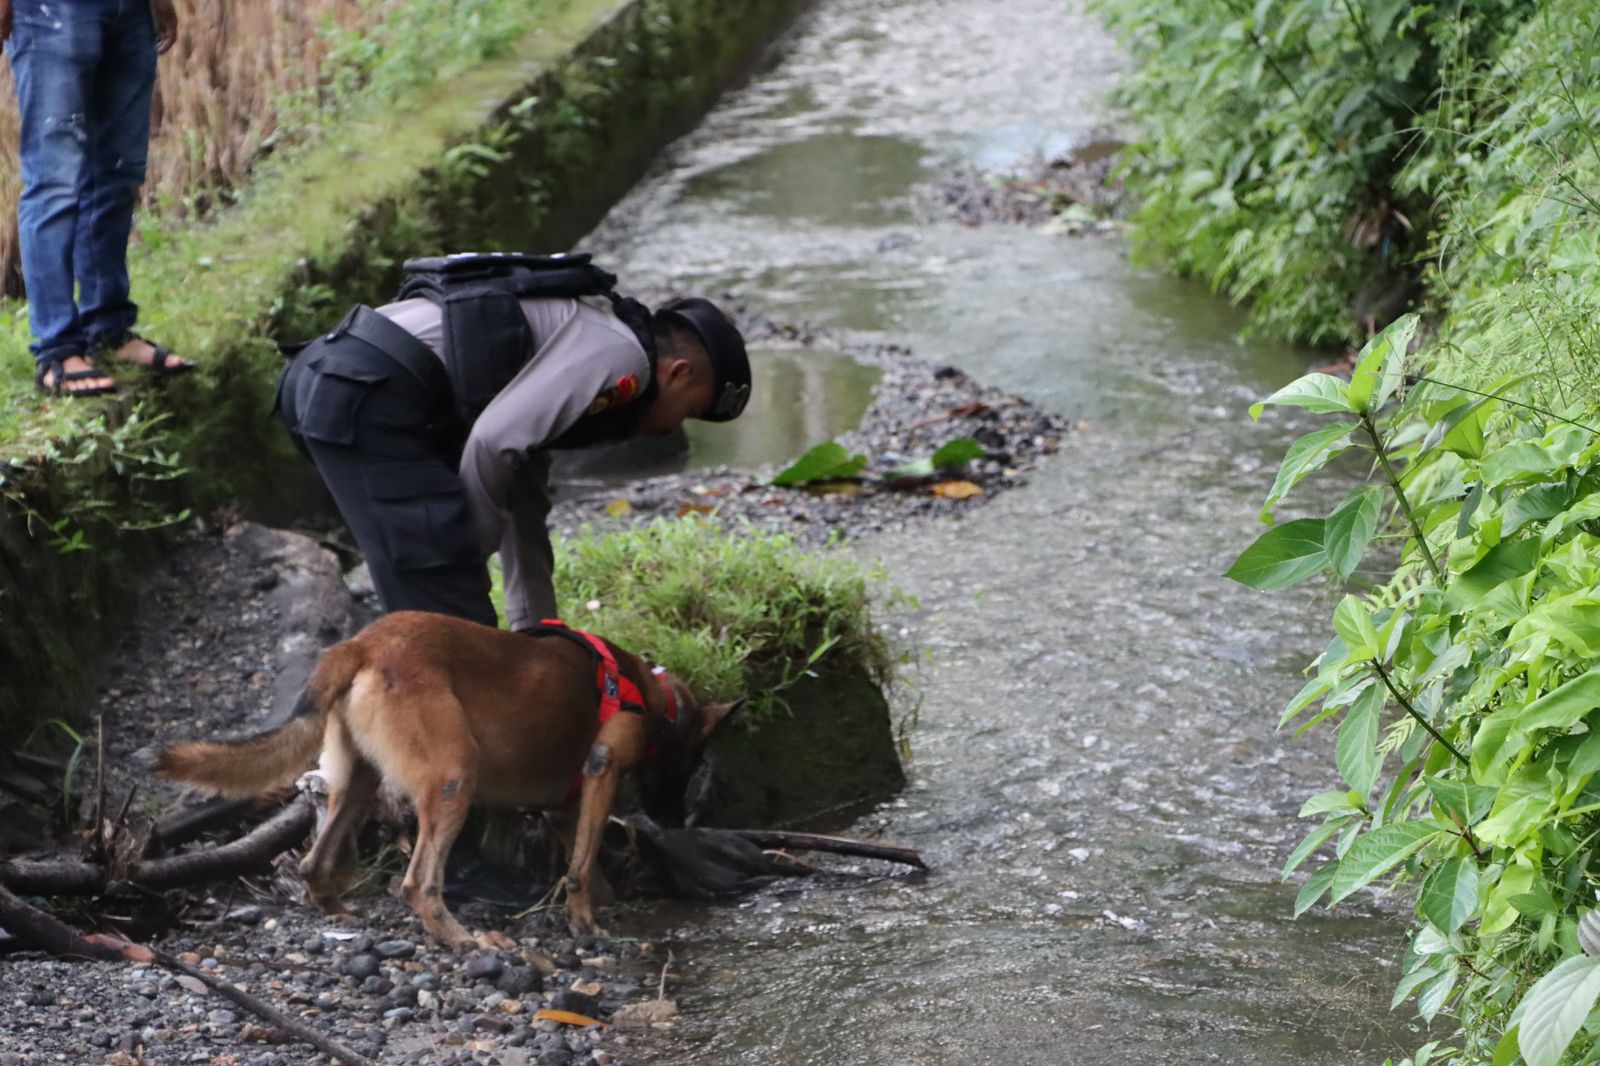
(92, 383)
(140, 352)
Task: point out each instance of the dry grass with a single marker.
(240, 77)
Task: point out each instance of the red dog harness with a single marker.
(617, 693)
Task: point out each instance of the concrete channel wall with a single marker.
(524, 153)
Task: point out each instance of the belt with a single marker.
(380, 332)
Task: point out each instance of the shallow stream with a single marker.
(1096, 779)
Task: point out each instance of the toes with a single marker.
(494, 940)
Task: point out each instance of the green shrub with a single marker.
(1466, 693)
(1270, 141)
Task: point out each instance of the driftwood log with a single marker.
(250, 853)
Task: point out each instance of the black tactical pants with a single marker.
(376, 418)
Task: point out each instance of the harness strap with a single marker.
(617, 692)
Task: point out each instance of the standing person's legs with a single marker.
(118, 147)
(364, 422)
(55, 52)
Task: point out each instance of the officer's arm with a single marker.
(540, 404)
(526, 558)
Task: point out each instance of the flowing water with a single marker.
(1096, 779)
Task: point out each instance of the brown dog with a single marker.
(449, 712)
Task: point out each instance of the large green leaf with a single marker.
(1565, 706)
(1555, 1009)
(1352, 620)
(1314, 392)
(1282, 556)
(1350, 529)
(1449, 894)
(1379, 851)
(1357, 750)
(1305, 456)
(1503, 562)
(1383, 355)
(1463, 799)
(1314, 840)
(825, 462)
(1315, 887)
(1527, 459)
(1312, 691)
(956, 452)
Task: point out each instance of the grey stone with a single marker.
(519, 981)
(486, 964)
(396, 949)
(362, 967)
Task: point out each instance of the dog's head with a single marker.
(680, 727)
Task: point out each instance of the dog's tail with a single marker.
(253, 765)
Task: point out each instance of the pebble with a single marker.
(362, 967)
(519, 981)
(396, 949)
(484, 965)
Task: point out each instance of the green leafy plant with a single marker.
(829, 461)
(1465, 692)
(952, 455)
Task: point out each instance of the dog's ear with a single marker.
(713, 714)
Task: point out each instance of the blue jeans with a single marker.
(85, 71)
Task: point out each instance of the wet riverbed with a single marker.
(1095, 777)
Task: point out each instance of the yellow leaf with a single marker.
(619, 508)
(566, 1017)
(957, 490)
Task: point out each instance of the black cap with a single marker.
(730, 366)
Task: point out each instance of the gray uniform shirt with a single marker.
(582, 351)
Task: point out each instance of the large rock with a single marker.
(307, 596)
(818, 765)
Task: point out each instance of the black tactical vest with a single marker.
(486, 335)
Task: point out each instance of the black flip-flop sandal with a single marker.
(162, 361)
(63, 375)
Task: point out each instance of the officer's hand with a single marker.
(5, 20)
(166, 17)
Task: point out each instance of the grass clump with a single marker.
(733, 614)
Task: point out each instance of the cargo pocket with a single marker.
(339, 386)
(422, 509)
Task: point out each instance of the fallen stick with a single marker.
(42, 930)
(255, 849)
(185, 825)
(260, 1008)
(778, 838)
(67, 877)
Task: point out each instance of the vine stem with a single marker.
(1400, 495)
(1413, 712)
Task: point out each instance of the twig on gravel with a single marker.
(773, 838)
(261, 1009)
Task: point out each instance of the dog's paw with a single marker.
(494, 940)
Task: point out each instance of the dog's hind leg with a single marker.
(352, 786)
(441, 788)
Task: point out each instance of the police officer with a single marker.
(431, 419)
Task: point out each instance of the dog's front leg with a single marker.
(600, 774)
